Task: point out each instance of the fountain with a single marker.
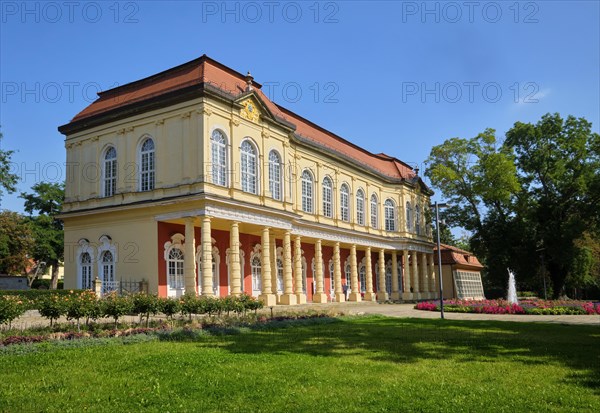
(512, 288)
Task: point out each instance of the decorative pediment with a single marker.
(250, 110)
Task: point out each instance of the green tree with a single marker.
(8, 180)
(478, 177)
(538, 192)
(46, 201)
(559, 168)
(16, 242)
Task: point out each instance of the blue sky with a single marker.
(395, 77)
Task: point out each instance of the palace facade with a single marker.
(194, 181)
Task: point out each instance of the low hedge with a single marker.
(35, 295)
(82, 304)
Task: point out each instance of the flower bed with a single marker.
(535, 307)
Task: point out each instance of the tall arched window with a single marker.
(360, 207)
(256, 266)
(307, 192)
(275, 175)
(327, 197)
(374, 211)
(348, 274)
(147, 165)
(362, 274)
(107, 274)
(418, 219)
(218, 148)
(175, 279)
(109, 172)
(248, 165)
(409, 221)
(390, 215)
(85, 261)
(345, 203)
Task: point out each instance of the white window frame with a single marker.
(256, 270)
(418, 219)
(249, 166)
(275, 173)
(374, 211)
(362, 275)
(345, 202)
(390, 215)
(218, 153)
(106, 244)
(327, 197)
(85, 248)
(409, 223)
(307, 191)
(147, 164)
(360, 207)
(109, 171)
(175, 281)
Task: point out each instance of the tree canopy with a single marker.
(537, 192)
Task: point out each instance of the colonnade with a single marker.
(418, 278)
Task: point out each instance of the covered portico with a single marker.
(282, 259)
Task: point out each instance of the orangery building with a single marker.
(195, 182)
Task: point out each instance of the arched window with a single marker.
(109, 172)
(409, 221)
(85, 261)
(374, 211)
(175, 279)
(331, 281)
(390, 215)
(147, 165)
(345, 203)
(107, 266)
(348, 274)
(360, 207)
(275, 175)
(327, 197)
(388, 277)
(248, 165)
(362, 273)
(418, 219)
(256, 266)
(219, 157)
(279, 275)
(307, 192)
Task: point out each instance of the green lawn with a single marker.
(349, 365)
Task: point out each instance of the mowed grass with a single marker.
(359, 364)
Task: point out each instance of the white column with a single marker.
(382, 293)
(207, 270)
(273, 244)
(395, 284)
(300, 295)
(415, 275)
(288, 296)
(407, 294)
(189, 260)
(234, 259)
(355, 294)
(369, 294)
(266, 296)
(320, 296)
(337, 274)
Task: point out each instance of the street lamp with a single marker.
(439, 250)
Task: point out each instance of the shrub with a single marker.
(80, 305)
(191, 304)
(169, 306)
(10, 308)
(145, 304)
(52, 307)
(116, 306)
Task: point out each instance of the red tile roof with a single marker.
(205, 70)
(456, 256)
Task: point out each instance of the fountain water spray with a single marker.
(512, 288)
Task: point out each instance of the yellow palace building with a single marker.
(194, 181)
